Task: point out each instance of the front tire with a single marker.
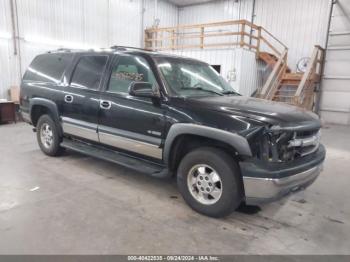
(210, 181)
(48, 136)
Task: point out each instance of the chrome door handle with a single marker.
(68, 98)
(105, 104)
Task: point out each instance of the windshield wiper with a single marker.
(202, 89)
(229, 92)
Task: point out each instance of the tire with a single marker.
(205, 165)
(48, 136)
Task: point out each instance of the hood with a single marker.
(259, 109)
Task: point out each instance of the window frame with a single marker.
(60, 80)
(75, 64)
(115, 62)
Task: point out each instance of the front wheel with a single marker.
(209, 181)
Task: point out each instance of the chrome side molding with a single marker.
(126, 140)
(80, 128)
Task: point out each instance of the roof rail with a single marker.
(61, 49)
(121, 47)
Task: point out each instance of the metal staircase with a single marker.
(281, 85)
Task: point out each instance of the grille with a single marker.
(305, 143)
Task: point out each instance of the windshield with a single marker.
(192, 78)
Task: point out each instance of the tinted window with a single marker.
(48, 68)
(127, 70)
(88, 72)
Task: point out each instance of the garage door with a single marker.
(335, 102)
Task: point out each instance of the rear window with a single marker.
(48, 68)
(88, 72)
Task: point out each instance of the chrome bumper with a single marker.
(260, 190)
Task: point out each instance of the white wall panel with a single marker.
(125, 22)
(216, 11)
(8, 73)
(47, 25)
(299, 24)
(335, 102)
(167, 13)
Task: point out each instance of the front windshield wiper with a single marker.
(202, 89)
(229, 92)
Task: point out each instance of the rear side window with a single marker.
(48, 68)
(89, 71)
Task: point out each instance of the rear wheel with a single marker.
(209, 181)
(48, 136)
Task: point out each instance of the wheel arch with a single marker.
(183, 134)
(40, 106)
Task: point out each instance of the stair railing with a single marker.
(227, 34)
(274, 79)
(304, 96)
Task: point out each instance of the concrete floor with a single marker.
(79, 205)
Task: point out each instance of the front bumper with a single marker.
(266, 184)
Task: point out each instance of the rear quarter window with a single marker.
(48, 68)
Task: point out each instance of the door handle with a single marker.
(68, 98)
(105, 104)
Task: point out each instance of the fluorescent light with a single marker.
(48, 41)
(5, 35)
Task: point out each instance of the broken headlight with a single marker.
(282, 146)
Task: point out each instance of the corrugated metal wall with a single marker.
(46, 25)
(335, 102)
(7, 63)
(216, 11)
(167, 13)
(299, 24)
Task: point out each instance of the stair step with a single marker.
(284, 93)
(134, 163)
(286, 96)
(291, 83)
(270, 59)
(292, 76)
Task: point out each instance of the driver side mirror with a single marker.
(144, 89)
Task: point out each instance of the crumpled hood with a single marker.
(258, 109)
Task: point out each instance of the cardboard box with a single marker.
(14, 94)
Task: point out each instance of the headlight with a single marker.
(283, 146)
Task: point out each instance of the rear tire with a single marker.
(210, 182)
(48, 136)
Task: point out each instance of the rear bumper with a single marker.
(262, 184)
(25, 117)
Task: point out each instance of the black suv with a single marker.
(166, 115)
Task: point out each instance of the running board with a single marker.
(118, 158)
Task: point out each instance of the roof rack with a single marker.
(120, 47)
(61, 49)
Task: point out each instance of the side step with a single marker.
(136, 164)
